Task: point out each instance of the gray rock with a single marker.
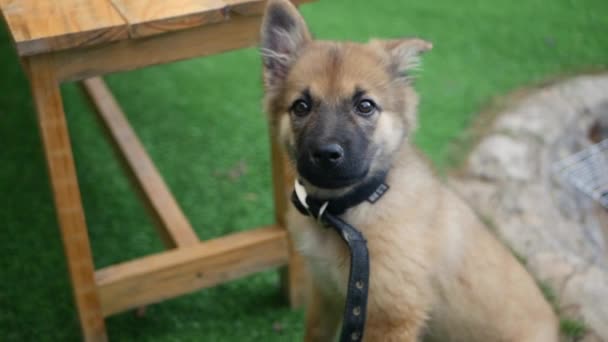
(510, 181)
(511, 163)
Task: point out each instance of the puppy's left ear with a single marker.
(403, 54)
(284, 34)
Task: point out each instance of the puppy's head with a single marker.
(341, 109)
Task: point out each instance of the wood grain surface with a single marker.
(132, 54)
(147, 17)
(68, 204)
(39, 26)
(169, 274)
(49, 25)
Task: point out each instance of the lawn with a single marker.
(201, 120)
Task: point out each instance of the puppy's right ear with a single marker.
(284, 34)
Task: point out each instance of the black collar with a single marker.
(326, 212)
(370, 191)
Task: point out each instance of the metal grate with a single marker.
(587, 170)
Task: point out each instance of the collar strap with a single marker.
(355, 306)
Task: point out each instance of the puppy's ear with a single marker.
(403, 54)
(284, 34)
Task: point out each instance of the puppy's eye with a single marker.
(300, 108)
(365, 107)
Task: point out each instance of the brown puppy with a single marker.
(345, 112)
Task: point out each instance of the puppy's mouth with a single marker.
(327, 180)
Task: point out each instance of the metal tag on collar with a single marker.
(378, 193)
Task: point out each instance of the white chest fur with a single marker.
(325, 252)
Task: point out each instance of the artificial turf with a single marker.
(201, 122)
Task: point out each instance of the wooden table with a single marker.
(74, 40)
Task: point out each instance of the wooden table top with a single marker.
(39, 26)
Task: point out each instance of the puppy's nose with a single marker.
(328, 156)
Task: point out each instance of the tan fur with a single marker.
(435, 270)
(430, 258)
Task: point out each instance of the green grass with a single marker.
(572, 329)
(201, 119)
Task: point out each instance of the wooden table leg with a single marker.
(293, 277)
(62, 173)
(172, 224)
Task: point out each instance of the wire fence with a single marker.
(587, 171)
